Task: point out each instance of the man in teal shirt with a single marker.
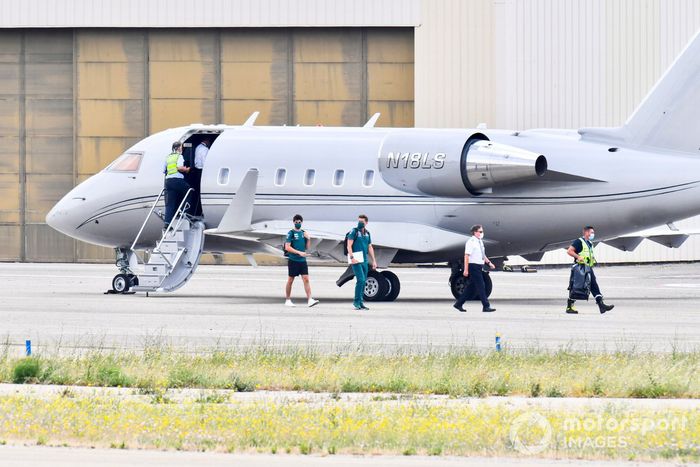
(360, 241)
(295, 248)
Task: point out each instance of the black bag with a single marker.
(580, 282)
(347, 237)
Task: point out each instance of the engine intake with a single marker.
(451, 164)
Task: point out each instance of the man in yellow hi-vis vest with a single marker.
(582, 251)
(175, 185)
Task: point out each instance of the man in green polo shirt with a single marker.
(295, 248)
(359, 251)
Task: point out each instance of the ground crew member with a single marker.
(195, 178)
(359, 250)
(474, 260)
(582, 251)
(175, 185)
(295, 246)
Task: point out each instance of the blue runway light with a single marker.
(28, 347)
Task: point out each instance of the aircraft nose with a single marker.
(63, 216)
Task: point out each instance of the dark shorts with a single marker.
(297, 268)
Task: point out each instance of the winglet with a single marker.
(251, 119)
(373, 119)
(239, 214)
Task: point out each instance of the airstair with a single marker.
(175, 256)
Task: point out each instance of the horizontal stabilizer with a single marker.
(625, 243)
(670, 241)
(537, 256)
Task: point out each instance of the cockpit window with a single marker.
(127, 162)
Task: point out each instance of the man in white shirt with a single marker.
(474, 260)
(195, 178)
(200, 153)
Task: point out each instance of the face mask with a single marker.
(360, 225)
(297, 225)
(481, 236)
(591, 237)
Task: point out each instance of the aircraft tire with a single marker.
(377, 287)
(394, 286)
(121, 283)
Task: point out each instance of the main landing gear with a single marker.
(381, 286)
(458, 282)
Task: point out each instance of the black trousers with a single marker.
(476, 283)
(595, 290)
(194, 178)
(175, 190)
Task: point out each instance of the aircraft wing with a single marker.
(667, 235)
(390, 235)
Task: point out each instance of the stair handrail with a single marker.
(177, 218)
(148, 216)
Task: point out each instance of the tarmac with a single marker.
(63, 307)
(19, 456)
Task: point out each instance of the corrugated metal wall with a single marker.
(207, 13)
(72, 100)
(522, 64)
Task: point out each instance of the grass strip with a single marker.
(365, 427)
(457, 372)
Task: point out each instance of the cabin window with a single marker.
(339, 177)
(280, 177)
(127, 162)
(368, 179)
(310, 177)
(223, 176)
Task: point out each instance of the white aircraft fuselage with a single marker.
(617, 189)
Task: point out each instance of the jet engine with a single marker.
(451, 164)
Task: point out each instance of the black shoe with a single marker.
(459, 308)
(364, 308)
(570, 307)
(488, 310)
(602, 306)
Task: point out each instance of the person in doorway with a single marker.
(175, 185)
(295, 247)
(195, 178)
(474, 260)
(360, 250)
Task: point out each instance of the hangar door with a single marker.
(72, 100)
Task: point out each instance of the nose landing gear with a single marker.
(125, 280)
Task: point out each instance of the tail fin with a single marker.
(669, 116)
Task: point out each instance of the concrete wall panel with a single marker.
(43, 191)
(11, 245)
(9, 199)
(328, 113)
(327, 81)
(110, 118)
(169, 113)
(47, 245)
(115, 80)
(235, 112)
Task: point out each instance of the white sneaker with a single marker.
(289, 303)
(312, 302)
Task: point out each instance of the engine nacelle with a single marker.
(451, 164)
